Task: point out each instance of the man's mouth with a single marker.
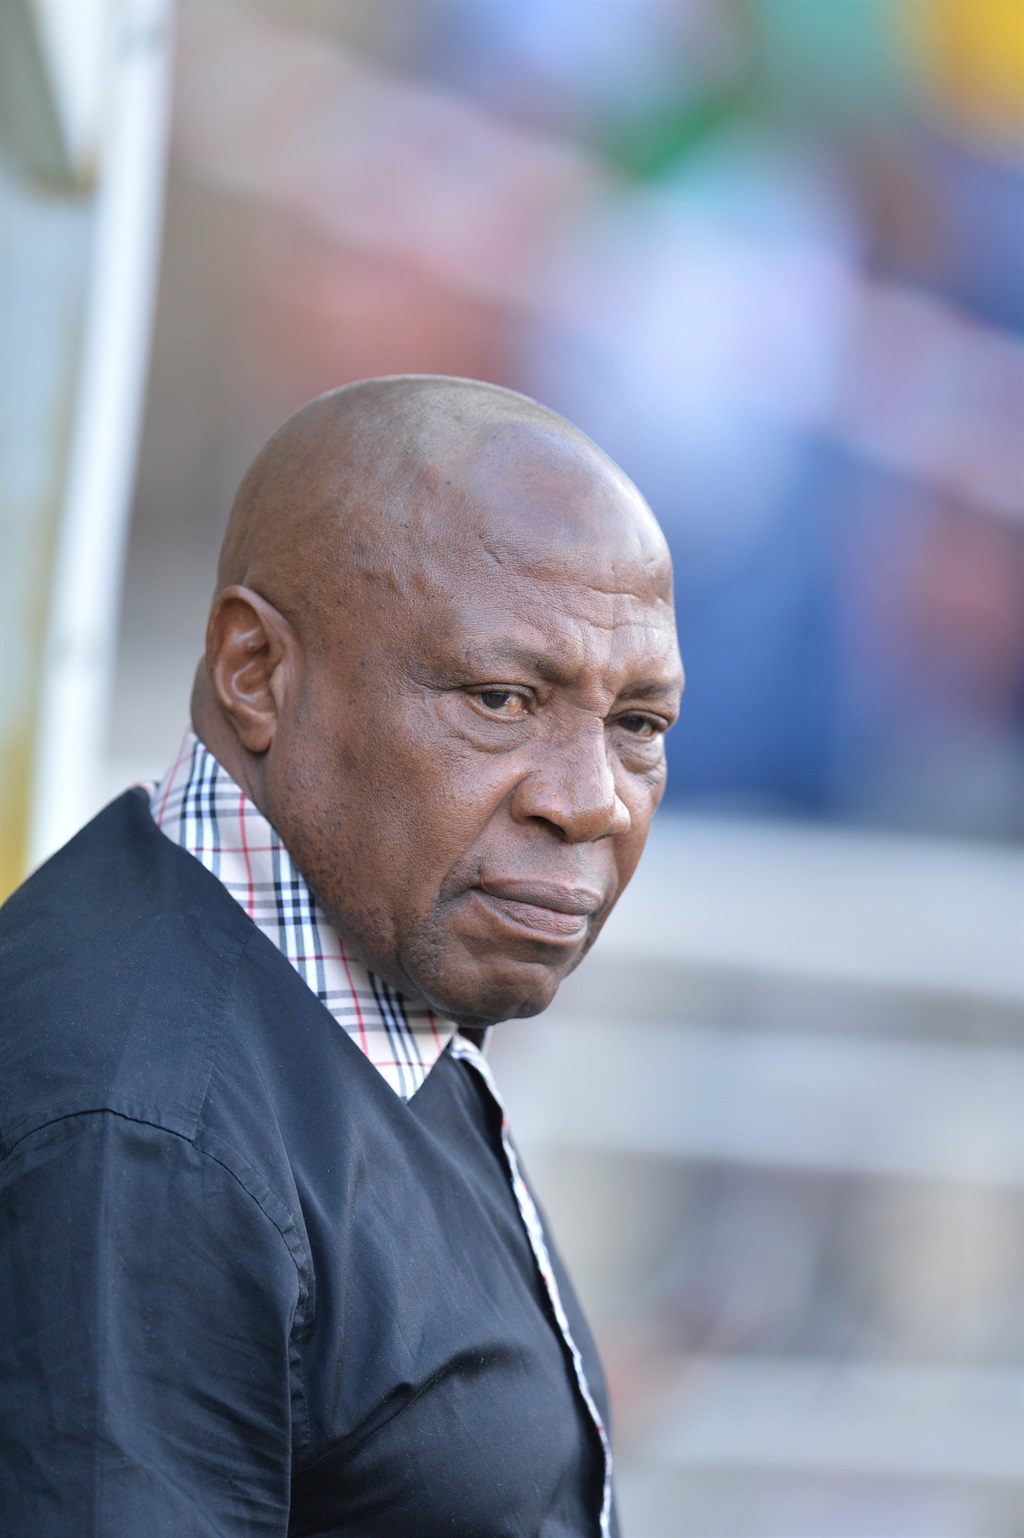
(549, 910)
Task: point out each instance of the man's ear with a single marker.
(251, 657)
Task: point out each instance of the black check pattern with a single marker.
(199, 806)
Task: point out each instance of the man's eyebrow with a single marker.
(498, 656)
(656, 688)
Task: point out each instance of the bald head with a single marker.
(378, 470)
(441, 661)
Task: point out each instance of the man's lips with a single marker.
(548, 909)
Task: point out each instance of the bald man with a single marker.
(272, 1265)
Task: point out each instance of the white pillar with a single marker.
(85, 601)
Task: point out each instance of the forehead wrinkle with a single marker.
(557, 655)
(484, 568)
(616, 551)
(608, 562)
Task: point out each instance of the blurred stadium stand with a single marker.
(776, 1119)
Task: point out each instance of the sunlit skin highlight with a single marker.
(441, 661)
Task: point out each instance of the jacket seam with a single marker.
(300, 1323)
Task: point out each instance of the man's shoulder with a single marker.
(117, 959)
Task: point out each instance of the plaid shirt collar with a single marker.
(199, 806)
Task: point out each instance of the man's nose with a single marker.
(572, 787)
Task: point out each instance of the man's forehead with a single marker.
(530, 491)
(373, 480)
(608, 570)
(562, 583)
(574, 524)
(560, 637)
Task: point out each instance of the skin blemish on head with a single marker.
(495, 555)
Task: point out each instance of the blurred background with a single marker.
(770, 254)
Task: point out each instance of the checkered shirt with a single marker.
(199, 806)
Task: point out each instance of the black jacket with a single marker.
(246, 1288)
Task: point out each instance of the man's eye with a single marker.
(502, 702)
(639, 726)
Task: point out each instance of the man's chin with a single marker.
(481, 996)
